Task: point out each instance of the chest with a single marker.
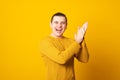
(61, 44)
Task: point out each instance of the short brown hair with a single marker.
(58, 14)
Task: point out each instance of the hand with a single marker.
(81, 32)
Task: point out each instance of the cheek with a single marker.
(54, 29)
(64, 27)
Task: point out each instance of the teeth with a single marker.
(58, 30)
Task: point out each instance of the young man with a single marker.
(58, 51)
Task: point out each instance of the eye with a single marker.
(56, 22)
(63, 23)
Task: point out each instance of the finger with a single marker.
(85, 25)
(78, 28)
(82, 31)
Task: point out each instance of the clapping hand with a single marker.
(81, 32)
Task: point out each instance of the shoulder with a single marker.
(45, 41)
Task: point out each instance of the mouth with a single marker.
(58, 30)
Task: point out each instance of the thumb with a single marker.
(85, 25)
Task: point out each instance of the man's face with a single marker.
(58, 26)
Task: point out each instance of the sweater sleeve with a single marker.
(61, 57)
(83, 54)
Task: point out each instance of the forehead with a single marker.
(59, 18)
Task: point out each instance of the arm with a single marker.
(83, 55)
(61, 57)
(79, 37)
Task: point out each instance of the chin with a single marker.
(58, 35)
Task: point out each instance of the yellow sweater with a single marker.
(58, 54)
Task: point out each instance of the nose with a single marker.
(59, 25)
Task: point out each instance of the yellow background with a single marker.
(23, 23)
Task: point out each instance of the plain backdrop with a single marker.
(23, 23)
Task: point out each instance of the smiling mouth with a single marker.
(59, 30)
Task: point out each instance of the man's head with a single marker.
(58, 14)
(58, 24)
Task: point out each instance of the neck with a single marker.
(56, 36)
